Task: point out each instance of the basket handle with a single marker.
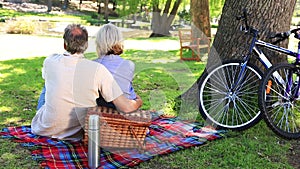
(135, 136)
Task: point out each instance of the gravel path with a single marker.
(23, 46)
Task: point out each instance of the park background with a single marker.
(30, 32)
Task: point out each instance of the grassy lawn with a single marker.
(159, 78)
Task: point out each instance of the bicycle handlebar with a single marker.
(248, 29)
(244, 18)
(284, 35)
(296, 33)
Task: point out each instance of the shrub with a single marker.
(184, 15)
(21, 27)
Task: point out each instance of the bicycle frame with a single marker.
(264, 60)
(254, 46)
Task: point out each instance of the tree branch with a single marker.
(175, 7)
(155, 6)
(167, 6)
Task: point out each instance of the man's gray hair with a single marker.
(76, 38)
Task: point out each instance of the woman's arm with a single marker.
(126, 105)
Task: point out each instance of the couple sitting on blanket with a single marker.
(73, 83)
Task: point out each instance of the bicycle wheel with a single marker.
(227, 100)
(279, 100)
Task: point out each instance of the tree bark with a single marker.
(268, 16)
(201, 18)
(161, 22)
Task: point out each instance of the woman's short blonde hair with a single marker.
(109, 40)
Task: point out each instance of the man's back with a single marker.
(72, 84)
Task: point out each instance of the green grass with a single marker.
(160, 77)
(85, 17)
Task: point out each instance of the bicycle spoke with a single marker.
(234, 73)
(280, 106)
(221, 92)
(213, 89)
(249, 78)
(221, 114)
(247, 107)
(219, 79)
(240, 114)
(275, 114)
(214, 105)
(294, 118)
(277, 92)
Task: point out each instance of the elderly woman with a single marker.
(109, 46)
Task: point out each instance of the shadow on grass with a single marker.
(21, 83)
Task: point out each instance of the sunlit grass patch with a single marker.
(5, 108)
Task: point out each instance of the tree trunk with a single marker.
(161, 22)
(201, 18)
(123, 10)
(267, 16)
(49, 5)
(66, 4)
(106, 12)
(134, 18)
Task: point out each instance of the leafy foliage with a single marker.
(185, 15)
(215, 8)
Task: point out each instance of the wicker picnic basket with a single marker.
(120, 130)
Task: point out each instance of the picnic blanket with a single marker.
(166, 135)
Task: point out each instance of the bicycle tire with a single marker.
(241, 111)
(280, 109)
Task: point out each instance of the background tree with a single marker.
(201, 18)
(66, 4)
(49, 5)
(215, 9)
(128, 8)
(163, 13)
(268, 16)
(106, 10)
(162, 19)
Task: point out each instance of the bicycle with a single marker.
(228, 93)
(279, 95)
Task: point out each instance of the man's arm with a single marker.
(125, 105)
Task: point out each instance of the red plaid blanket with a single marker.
(166, 135)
